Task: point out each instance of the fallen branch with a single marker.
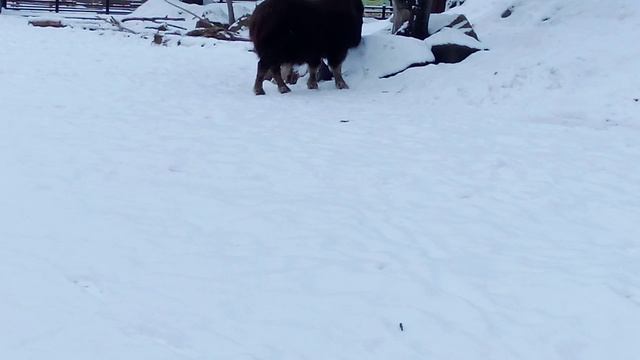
(177, 27)
(216, 33)
(118, 25)
(47, 23)
(165, 27)
(152, 19)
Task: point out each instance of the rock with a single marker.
(451, 53)
(453, 39)
(507, 13)
(158, 39)
(460, 22)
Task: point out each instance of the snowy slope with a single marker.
(152, 208)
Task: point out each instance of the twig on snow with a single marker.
(117, 24)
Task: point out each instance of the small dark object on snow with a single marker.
(636, 99)
(401, 327)
(344, 121)
(507, 12)
(157, 39)
(298, 32)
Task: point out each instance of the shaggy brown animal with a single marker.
(304, 31)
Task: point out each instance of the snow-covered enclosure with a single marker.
(151, 207)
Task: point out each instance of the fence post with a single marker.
(57, 6)
(3, 4)
(107, 5)
(384, 12)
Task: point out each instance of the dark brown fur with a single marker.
(304, 31)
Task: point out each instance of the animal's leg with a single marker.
(312, 83)
(337, 75)
(335, 63)
(260, 75)
(282, 87)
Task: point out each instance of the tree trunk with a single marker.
(401, 14)
(416, 18)
(232, 16)
(439, 6)
(420, 28)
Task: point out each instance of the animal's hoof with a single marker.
(341, 85)
(284, 89)
(259, 91)
(312, 85)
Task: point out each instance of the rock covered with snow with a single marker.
(452, 38)
(380, 55)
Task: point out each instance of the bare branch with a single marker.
(152, 19)
(185, 10)
(117, 24)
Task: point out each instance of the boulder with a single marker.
(453, 21)
(452, 38)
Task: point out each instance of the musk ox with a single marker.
(304, 31)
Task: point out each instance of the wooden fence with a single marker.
(382, 11)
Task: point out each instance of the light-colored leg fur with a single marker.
(282, 87)
(312, 82)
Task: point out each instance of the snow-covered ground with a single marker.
(151, 207)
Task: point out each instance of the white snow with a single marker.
(453, 36)
(213, 11)
(382, 54)
(151, 207)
